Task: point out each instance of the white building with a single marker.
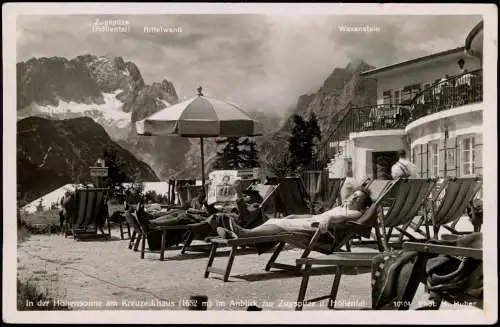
(430, 106)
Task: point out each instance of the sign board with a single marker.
(246, 173)
(220, 186)
(99, 171)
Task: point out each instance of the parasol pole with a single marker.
(202, 164)
(199, 89)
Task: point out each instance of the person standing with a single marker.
(403, 167)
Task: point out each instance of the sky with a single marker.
(261, 62)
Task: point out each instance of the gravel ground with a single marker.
(107, 275)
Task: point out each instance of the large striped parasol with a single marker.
(200, 117)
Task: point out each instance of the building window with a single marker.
(406, 94)
(467, 156)
(414, 155)
(434, 159)
(387, 97)
(397, 100)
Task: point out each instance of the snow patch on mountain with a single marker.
(109, 113)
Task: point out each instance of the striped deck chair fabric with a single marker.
(91, 211)
(407, 202)
(332, 192)
(323, 191)
(293, 196)
(451, 202)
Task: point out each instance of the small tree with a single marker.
(303, 142)
(134, 192)
(150, 196)
(236, 154)
(250, 154)
(116, 173)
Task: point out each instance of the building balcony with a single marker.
(454, 92)
(389, 120)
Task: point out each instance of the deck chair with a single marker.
(332, 192)
(141, 231)
(405, 199)
(292, 197)
(442, 203)
(267, 209)
(324, 243)
(451, 203)
(269, 194)
(323, 191)
(313, 182)
(422, 223)
(136, 235)
(90, 215)
(403, 206)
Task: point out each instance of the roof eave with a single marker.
(373, 72)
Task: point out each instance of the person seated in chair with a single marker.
(353, 208)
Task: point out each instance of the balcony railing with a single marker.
(449, 93)
(453, 92)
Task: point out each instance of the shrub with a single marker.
(29, 298)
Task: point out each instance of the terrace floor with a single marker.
(108, 271)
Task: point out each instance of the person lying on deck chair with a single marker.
(353, 208)
(248, 213)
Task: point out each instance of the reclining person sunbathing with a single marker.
(353, 208)
(202, 225)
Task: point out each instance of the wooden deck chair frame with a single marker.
(136, 236)
(411, 195)
(139, 236)
(351, 229)
(459, 193)
(423, 223)
(139, 232)
(340, 263)
(82, 225)
(187, 244)
(267, 197)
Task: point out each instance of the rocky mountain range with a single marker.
(109, 90)
(112, 92)
(51, 153)
(342, 89)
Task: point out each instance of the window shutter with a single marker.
(452, 157)
(441, 150)
(418, 159)
(478, 154)
(425, 160)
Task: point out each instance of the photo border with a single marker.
(490, 313)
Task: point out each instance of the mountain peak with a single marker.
(358, 66)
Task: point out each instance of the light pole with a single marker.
(445, 145)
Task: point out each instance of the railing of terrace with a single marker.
(449, 93)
